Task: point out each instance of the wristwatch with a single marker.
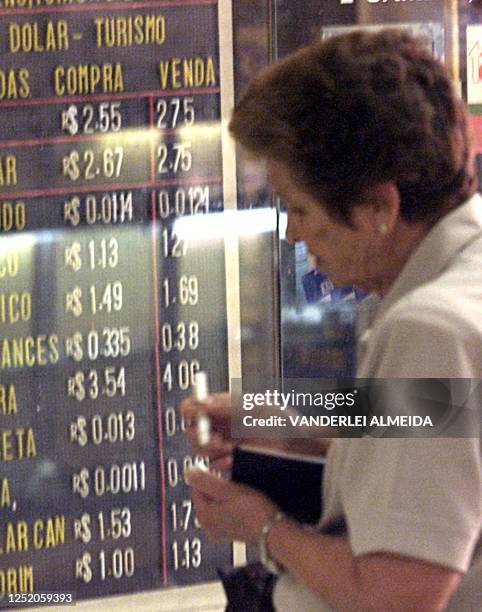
(267, 561)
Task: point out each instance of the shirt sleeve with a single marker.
(429, 342)
(422, 497)
(416, 497)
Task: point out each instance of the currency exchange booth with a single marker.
(138, 246)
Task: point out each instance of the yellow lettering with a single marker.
(6, 359)
(210, 74)
(59, 86)
(118, 78)
(176, 73)
(41, 350)
(187, 73)
(24, 448)
(38, 528)
(94, 75)
(29, 344)
(50, 42)
(30, 447)
(8, 169)
(12, 93)
(164, 74)
(122, 33)
(12, 216)
(26, 579)
(10, 539)
(88, 79)
(24, 89)
(53, 342)
(19, 433)
(14, 84)
(17, 579)
(8, 400)
(22, 540)
(16, 537)
(14, 307)
(9, 264)
(98, 33)
(55, 532)
(49, 533)
(138, 30)
(6, 445)
(29, 351)
(5, 500)
(125, 31)
(28, 37)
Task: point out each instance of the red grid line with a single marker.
(52, 140)
(34, 193)
(115, 6)
(151, 124)
(160, 432)
(161, 93)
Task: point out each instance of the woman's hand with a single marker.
(228, 510)
(218, 408)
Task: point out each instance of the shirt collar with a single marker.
(448, 236)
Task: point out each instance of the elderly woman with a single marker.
(367, 143)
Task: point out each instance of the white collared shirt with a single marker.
(430, 322)
(416, 497)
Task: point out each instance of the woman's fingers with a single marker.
(217, 408)
(222, 463)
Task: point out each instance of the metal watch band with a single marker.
(268, 562)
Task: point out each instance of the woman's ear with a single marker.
(379, 209)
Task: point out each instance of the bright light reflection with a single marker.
(308, 314)
(22, 244)
(203, 131)
(283, 224)
(208, 130)
(227, 224)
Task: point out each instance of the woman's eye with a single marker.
(298, 212)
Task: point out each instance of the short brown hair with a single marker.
(359, 109)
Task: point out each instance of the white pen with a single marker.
(203, 422)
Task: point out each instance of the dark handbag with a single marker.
(248, 588)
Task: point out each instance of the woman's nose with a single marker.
(292, 231)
